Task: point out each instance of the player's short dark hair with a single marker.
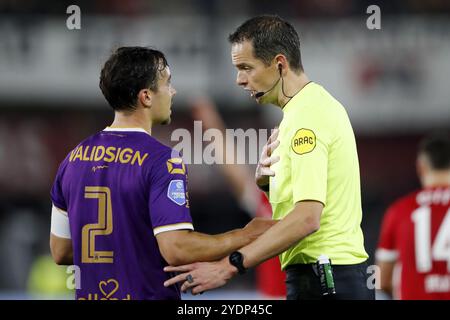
(436, 147)
(270, 35)
(127, 71)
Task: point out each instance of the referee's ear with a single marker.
(145, 97)
(281, 62)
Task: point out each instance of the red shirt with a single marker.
(416, 234)
(270, 278)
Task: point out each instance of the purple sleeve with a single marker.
(169, 201)
(56, 193)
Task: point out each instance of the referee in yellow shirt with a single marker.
(312, 176)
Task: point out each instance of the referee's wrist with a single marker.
(229, 268)
(236, 260)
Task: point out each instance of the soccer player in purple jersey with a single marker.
(120, 200)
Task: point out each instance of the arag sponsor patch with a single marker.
(304, 141)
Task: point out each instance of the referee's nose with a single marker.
(241, 79)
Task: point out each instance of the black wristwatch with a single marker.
(237, 259)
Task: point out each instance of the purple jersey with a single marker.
(120, 188)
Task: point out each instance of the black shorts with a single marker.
(350, 282)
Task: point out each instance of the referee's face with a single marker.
(252, 74)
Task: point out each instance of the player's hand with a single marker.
(258, 226)
(204, 276)
(263, 171)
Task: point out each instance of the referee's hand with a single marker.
(263, 171)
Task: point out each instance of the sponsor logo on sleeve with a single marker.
(176, 166)
(176, 192)
(304, 141)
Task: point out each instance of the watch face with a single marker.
(236, 259)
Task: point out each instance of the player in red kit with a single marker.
(414, 248)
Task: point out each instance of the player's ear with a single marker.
(145, 97)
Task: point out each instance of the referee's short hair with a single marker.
(436, 147)
(128, 71)
(270, 35)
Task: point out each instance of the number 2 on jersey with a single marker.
(104, 227)
(425, 252)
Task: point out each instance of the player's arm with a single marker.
(386, 272)
(387, 254)
(61, 250)
(386, 259)
(186, 246)
(60, 238)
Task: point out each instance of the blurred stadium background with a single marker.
(393, 81)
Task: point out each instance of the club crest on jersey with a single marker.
(304, 141)
(176, 192)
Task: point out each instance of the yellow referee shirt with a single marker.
(319, 161)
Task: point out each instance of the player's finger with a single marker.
(198, 290)
(265, 162)
(186, 285)
(272, 146)
(273, 135)
(183, 268)
(264, 150)
(176, 279)
(267, 172)
(272, 138)
(274, 159)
